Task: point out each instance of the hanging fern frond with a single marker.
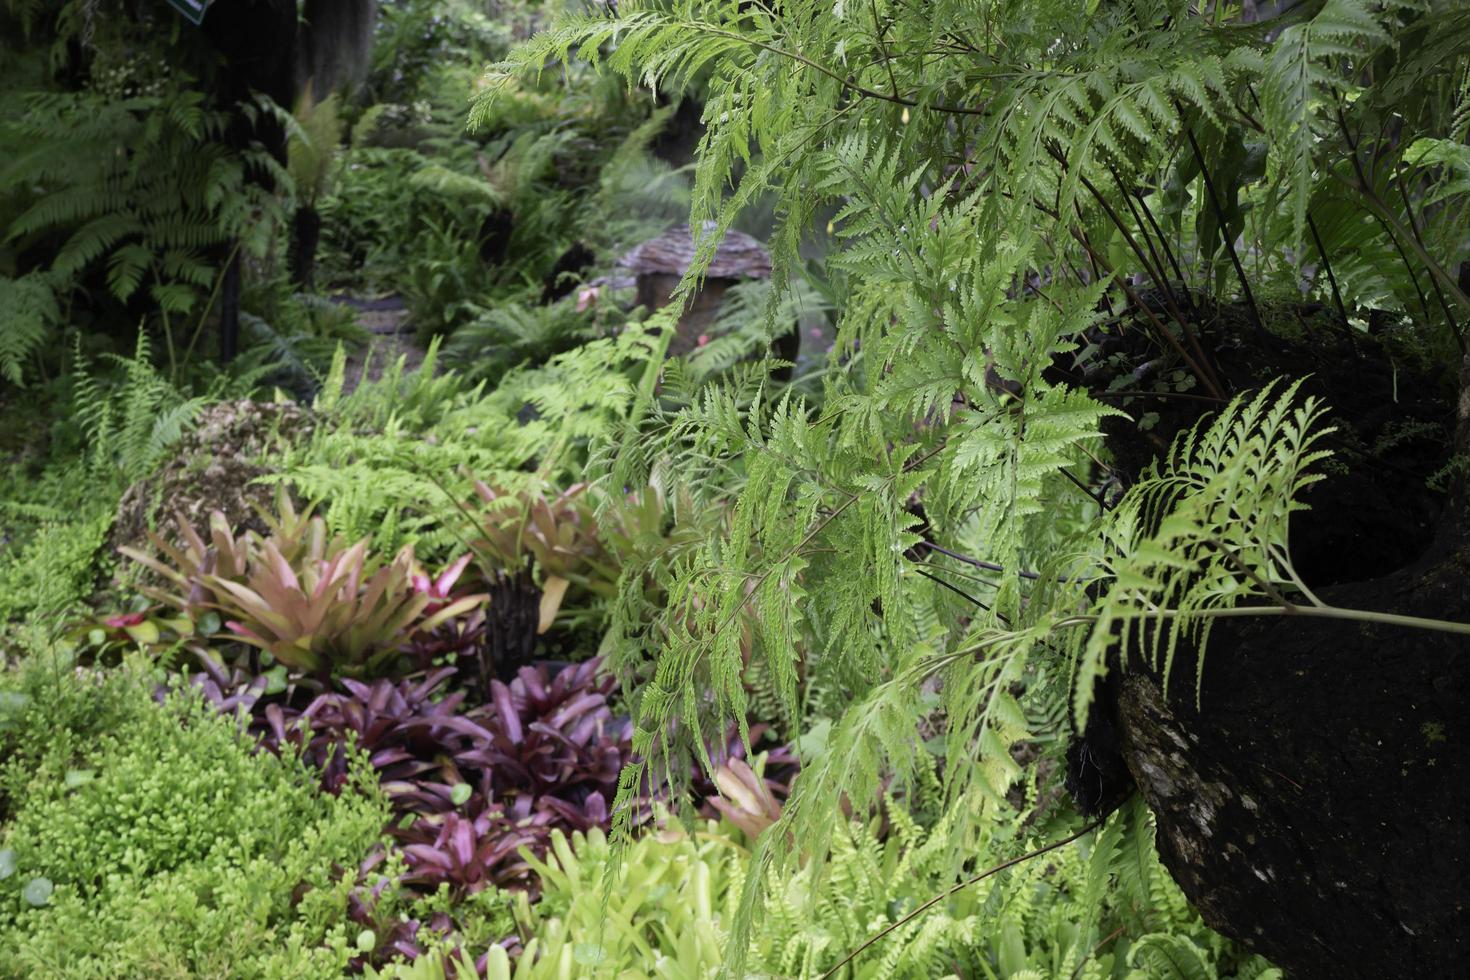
(28, 312)
(1205, 529)
(1303, 87)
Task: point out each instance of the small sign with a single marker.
(192, 10)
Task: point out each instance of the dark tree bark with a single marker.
(266, 47)
(229, 309)
(1315, 804)
(510, 630)
(306, 231)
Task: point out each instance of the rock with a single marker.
(212, 469)
(1312, 803)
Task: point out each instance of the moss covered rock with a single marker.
(214, 467)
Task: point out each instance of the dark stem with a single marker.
(1385, 215)
(880, 32)
(1096, 497)
(1225, 231)
(229, 310)
(1408, 266)
(1327, 265)
(988, 566)
(1205, 376)
(1433, 282)
(1164, 243)
(988, 872)
(953, 588)
(1094, 951)
(1157, 268)
(1203, 368)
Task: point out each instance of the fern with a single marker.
(512, 334)
(28, 312)
(130, 425)
(151, 214)
(991, 176)
(1206, 530)
(312, 148)
(51, 573)
(1304, 82)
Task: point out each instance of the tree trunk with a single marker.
(229, 309)
(306, 231)
(1315, 804)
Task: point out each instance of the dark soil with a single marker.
(1393, 419)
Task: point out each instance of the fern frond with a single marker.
(28, 311)
(1206, 528)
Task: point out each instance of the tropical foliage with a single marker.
(547, 650)
(992, 172)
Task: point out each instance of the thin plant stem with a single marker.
(961, 886)
(1307, 612)
(1375, 204)
(219, 282)
(1438, 292)
(1219, 210)
(1331, 279)
(953, 588)
(1202, 367)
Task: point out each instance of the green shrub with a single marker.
(55, 568)
(173, 848)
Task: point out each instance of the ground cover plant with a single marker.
(387, 590)
(148, 838)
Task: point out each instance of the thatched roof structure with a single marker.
(738, 257)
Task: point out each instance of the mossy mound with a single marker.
(214, 467)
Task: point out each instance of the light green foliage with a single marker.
(374, 450)
(1206, 529)
(56, 567)
(313, 145)
(386, 455)
(659, 920)
(369, 219)
(53, 715)
(1101, 909)
(125, 419)
(993, 168)
(174, 848)
(129, 425)
(421, 46)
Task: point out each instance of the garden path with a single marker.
(391, 336)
